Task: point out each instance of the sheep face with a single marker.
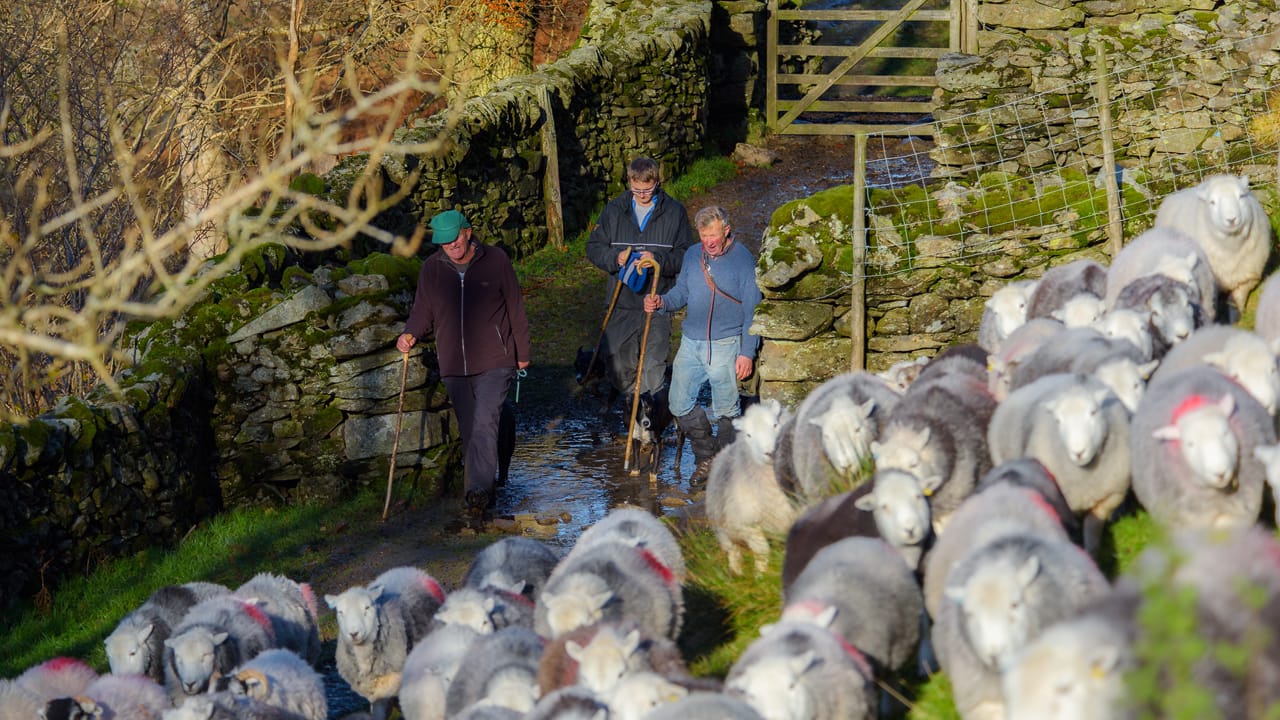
(1127, 379)
(194, 660)
(774, 687)
(637, 693)
(758, 427)
(1249, 361)
(605, 659)
(900, 506)
(357, 613)
(1059, 678)
(1207, 443)
(1227, 197)
(512, 687)
(997, 621)
(1080, 311)
(127, 649)
(1130, 325)
(906, 449)
(1009, 307)
(847, 432)
(1172, 314)
(1077, 413)
(468, 608)
(580, 602)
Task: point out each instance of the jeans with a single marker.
(477, 401)
(691, 369)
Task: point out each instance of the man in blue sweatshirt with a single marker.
(717, 283)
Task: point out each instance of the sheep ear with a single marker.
(1266, 453)
(573, 650)
(331, 601)
(1028, 571)
(145, 632)
(800, 664)
(219, 638)
(600, 599)
(489, 604)
(954, 594)
(631, 641)
(1104, 662)
(826, 617)
(1227, 403)
(1168, 432)
(930, 484)
(877, 448)
(1146, 369)
(866, 502)
(867, 408)
(923, 435)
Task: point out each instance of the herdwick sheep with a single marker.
(998, 599)
(998, 510)
(1266, 318)
(1196, 431)
(1227, 221)
(112, 697)
(484, 610)
(745, 503)
(497, 669)
(429, 668)
(615, 648)
(821, 524)
(515, 563)
(377, 627)
(1024, 341)
(1031, 474)
(939, 430)
(1239, 354)
(1166, 252)
(898, 502)
(610, 581)
(279, 677)
(1170, 308)
(26, 696)
(227, 706)
(638, 528)
(832, 432)
(965, 359)
(291, 607)
(1131, 326)
(1118, 364)
(799, 671)
(1004, 312)
(1063, 284)
(1079, 430)
(637, 694)
(856, 588)
(215, 636)
(703, 704)
(901, 374)
(570, 703)
(136, 645)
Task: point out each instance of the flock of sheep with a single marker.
(971, 547)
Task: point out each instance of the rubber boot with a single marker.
(725, 432)
(697, 428)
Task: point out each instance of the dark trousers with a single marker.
(622, 345)
(477, 401)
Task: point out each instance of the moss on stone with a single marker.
(400, 272)
(76, 409)
(8, 445)
(35, 435)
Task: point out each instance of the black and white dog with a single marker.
(653, 417)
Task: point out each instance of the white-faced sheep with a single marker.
(26, 696)
(112, 697)
(1266, 318)
(1131, 326)
(1169, 306)
(498, 669)
(429, 669)
(215, 636)
(291, 607)
(638, 528)
(279, 677)
(833, 430)
(898, 502)
(856, 588)
(703, 704)
(1227, 221)
(1024, 341)
(999, 598)
(519, 564)
(136, 645)
(745, 503)
(610, 581)
(1169, 253)
(570, 703)
(798, 670)
(1239, 354)
(227, 706)
(1079, 430)
(377, 627)
(636, 695)
(901, 374)
(1063, 284)
(1118, 364)
(1004, 312)
(611, 649)
(485, 610)
(1195, 431)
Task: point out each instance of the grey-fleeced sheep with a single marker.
(613, 649)
(1024, 341)
(745, 502)
(1062, 284)
(1167, 252)
(899, 505)
(279, 677)
(1169, 306)
(497, 669)
(823, 523)
(636, 695)
(833, 430)
(1031, 474)
(998, 599)
(377, 627)
(856, 588)
(610, 581)
(215, 636)
(901, 374)
(25, 697)
(1079, 430)
(1195, 432)
(112, 697)
(136, 645)
(639, 528)
(1131, 326)
(485, 610)
(291, 607)
(519, 564)
(429, 669)
(1118, 364)
(570, 703)
(800, 670)
(227, 706)
(939, 430)
(1239, 354)
(1004, 312)
(1266, 318)
(1227, 221)
(703, 704)
(996, 511)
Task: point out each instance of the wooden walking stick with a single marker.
(617, 289)
(395, 446)
(644, 339)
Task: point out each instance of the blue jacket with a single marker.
(712, 316)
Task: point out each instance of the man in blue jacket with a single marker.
(718, 285)
(468, 296)
(653, 225)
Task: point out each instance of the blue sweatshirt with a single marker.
(717, 318)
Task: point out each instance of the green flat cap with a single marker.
(446, 226)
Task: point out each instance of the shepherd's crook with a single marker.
(395, 446)
(607, 313)
(644, 339)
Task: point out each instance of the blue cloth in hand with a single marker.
(634, 277)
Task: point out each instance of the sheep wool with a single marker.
(136, 645)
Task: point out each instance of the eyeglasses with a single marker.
(644, 192)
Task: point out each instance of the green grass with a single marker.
(706, 172)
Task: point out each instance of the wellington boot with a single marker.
(725, 432)
(697, 428)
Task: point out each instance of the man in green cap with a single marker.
(469, 298)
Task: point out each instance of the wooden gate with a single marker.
(814, 100)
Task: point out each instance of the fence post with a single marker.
(771, 66)
(858, 307)
(551, 177)
(1115, 230)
